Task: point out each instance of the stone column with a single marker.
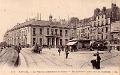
(50, 41)
(55, 42)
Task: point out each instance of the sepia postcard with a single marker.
(60, 37)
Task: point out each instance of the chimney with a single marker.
(50, 18)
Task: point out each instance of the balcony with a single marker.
(54, 35)
(34, 34)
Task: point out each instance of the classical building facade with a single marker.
(39, 31)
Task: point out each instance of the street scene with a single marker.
(50, 58)
(49, 39)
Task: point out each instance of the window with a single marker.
(94, 24)
(98, 23)
(60, 41)
(66, 41)
(88, 28)
(106, 21)
(48, 41)
(40, 41)
(98, 30)
(40, 31)
(102, 23)
(51, 31)
(34, 40)
(102, 36)
(106, 29)
(102, 16)
(82, 30)
(98, 17)
(106, 37)
(102, 30)
(115, 42)
(112, 36)
(56, 30)
(34, 31)
(60, 32)
(98, 37)
(47, 31)
(87, 36)
(66, 33)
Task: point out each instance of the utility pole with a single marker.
(40, 16)
(113, 1)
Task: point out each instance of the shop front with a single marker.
(83, 44)
(72, 46)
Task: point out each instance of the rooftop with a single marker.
(41, 23)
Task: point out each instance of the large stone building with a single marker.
(98, 27)
(51, 33)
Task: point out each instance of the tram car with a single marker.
(36, 49)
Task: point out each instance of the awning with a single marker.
(71, 43)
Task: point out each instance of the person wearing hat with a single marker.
(98, 61)
(93, 61)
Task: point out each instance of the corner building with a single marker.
(39, 31)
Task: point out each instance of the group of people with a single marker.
(96, 61)
(17, 48)
(66, 51)
(37, 48)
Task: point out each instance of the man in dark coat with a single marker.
(98, 61)
(62, 47)
(67, 54)
(93, 61)
(59, 50)
(40, 49)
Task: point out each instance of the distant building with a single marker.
(99, 26)
(115, 35)
(39, 31)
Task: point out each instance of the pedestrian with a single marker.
(98, 61)
(67, 54)
(40, 49)
(71, 48)
(59, 51)
(35, 48)
(62, 48)
(49, 47)
(20, 47)
(17, 48)
(93, 61)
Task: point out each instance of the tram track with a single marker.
(48, 61)
(7, 58)
(104, 58)
(43, 58)
(28, 57)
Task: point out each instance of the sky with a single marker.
(16, 11)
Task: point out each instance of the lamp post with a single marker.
(109, 48)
